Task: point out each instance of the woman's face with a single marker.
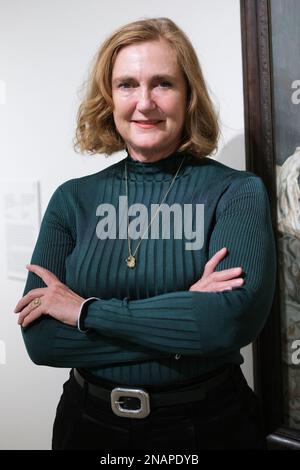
(149, 98)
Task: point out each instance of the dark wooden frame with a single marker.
(260, 158)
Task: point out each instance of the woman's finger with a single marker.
(220, 286)
(214, 261)
(31, 295)
(47, 276)
(226, 274)
(26, 311)
(33, 315)
(213, 286)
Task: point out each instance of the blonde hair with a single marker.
(96, 131)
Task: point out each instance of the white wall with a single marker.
(45, 50)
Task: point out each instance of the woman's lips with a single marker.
(147, 124)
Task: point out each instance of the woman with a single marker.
(151, 317)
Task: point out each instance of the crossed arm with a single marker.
(221, 312)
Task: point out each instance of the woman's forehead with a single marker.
(156, 56)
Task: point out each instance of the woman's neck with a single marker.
(151, 155)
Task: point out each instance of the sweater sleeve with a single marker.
(207, 323)
(50, 342)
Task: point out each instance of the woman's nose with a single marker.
(145, 101)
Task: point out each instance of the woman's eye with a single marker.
(124, 85)
(165, 84)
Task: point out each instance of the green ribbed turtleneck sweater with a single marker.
(147, 327)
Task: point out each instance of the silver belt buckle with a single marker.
(116, 402)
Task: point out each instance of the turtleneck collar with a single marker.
(163, 169)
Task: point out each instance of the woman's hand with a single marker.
(56, 300)
(218, 281)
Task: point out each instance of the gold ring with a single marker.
(36, 302)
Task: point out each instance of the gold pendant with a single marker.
(130, 261)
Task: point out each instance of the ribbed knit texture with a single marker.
(146, 316)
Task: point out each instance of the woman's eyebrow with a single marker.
(127, 78)
(163, 76)
(124, 78)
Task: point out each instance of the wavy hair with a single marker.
(96, 131)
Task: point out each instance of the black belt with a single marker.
(136, 401)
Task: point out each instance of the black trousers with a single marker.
(227, 418)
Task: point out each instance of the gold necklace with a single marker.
(131, 259)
